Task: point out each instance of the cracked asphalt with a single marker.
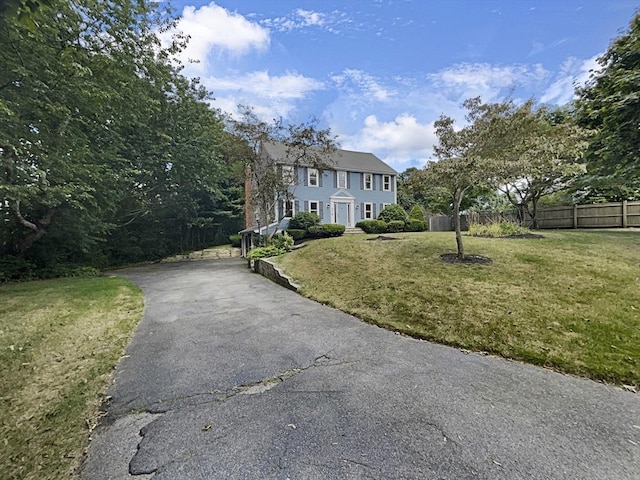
(230, 376)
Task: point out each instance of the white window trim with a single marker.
(364, 181)
(370, 212)
(388, 188)
(346, 181)
(317, 172)
(317, 211)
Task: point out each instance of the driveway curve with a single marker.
(230, 376)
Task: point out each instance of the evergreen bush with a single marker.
(393, 212)
(303, 221)
(414, 225)
(235, 240)
(296, 233)
(417, 213)
(395, 226)
(372, 226)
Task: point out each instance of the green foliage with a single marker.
(303, 221)
(372, 226)
(265, 252)
(497, 229)
(326, 230)
(417, 213)
(296, 233)
(236, 240)
(609, 103)
(282, 241)
(393, 212)
(14, 268)
(413, 225)
(105, 150)
(395, 226)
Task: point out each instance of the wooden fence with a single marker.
(602, 215)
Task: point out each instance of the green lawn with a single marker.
(59, 342)
(570, 301)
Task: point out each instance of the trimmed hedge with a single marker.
(296, 233)
(393, 212)
(326, 230)
(303, 221)
(415, 226)
(264, 252)
(372, 226)
(395, 226)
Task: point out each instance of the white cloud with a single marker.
(271, 96)
(573, 72)
(488, 81)
(357, 82)
(401, 142)
(212, 28)
(302, 19)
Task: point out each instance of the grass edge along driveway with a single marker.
(569, 301)
(60, 340)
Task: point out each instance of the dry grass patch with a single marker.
(59, 342)
(570, 300)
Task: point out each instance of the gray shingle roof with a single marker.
(339, 160)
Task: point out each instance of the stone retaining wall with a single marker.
(271, 271)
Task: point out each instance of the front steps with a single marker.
(353, 231)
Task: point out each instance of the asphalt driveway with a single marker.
(230, 376)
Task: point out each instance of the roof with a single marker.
(339, 160)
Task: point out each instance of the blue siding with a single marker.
(327, 188)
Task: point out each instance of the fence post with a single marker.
(575, 216)
(624, 214)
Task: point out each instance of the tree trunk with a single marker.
(457, 200)
(534, 213)
(38, 229)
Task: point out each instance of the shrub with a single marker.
(332, 229)
(303, 221)
(235, 240)
(395, 226)
(283, 241)
(297, 233)
(264, 252)
(16, 268)
(417, 213)
(497, 229)
(393, 212)
(414, 225)
(372, 226)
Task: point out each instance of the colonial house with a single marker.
(352, 186)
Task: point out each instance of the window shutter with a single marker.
(362, 211)
(375, 215)
(348, 180)
(296, 206)
(305, 175)
(393, 183)
(373, 181)
(335, 179)
(321, 210)
(362, 181)
(306, 205)
(320, 175)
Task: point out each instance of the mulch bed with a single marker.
(470, 258)
(522, 235)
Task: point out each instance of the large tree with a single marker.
(610, 104)
(101, 138)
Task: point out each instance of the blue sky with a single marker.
(380, 72)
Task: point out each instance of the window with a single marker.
(314, 207)
(288, 208)
(288, 174)
(368, 211)
(312, 179)
(386, 183)
(368, 181)
(342, 179)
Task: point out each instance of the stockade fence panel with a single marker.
(603, 215)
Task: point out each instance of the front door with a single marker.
(342, 213)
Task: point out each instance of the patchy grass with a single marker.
(570, 301)
(59, 342)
